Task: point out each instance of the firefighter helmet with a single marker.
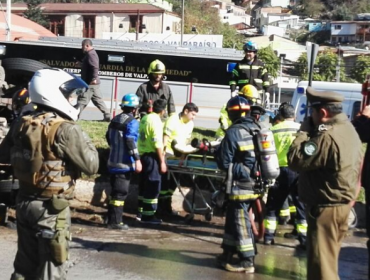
(20, 98)
(156, 67)
(130, 100)
(250, 46)
(251, 93)
(237, 107)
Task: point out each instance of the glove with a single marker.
(234, 93)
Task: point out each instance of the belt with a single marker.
(245, 185)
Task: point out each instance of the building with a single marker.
(350, 32)
(91, 20)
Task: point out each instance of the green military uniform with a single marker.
(328, 158)
(46, 171)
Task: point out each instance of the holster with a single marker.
(59, 246)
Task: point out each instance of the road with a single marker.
(176, 250)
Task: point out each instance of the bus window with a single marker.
(355, 109)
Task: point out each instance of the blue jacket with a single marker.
(122, 136)
(238, 148)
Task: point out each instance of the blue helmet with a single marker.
(250, 46)
(130, 100)
(237, 107)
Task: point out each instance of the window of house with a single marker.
(88, 27)
(337, 27)
(57, 25)
(134, 21)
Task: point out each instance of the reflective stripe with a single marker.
(292, 209)
(244, 66)
(140, 209)
(245, 248)
(270, 225)
(246, 148)
(232, 83)
(266, 83)
(133, 152)
(235, 72)
(256, 67)
(243, 81)
(117, 203)
(264, 71)
(284, 130)
(243, 196)
(284, 212)
(302, 227)
(259, 81)
(150, 201)
(148, 213)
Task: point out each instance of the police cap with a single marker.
(317, 98)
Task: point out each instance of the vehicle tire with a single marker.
(352, 218)
(256, 219)
(20, 70)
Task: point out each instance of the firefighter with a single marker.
(150, 146)
(177, 128)
(155, 89)
(284, 134)
(236, 155)
(21, 103)
(327, 153)
(124, 159)
(48, 151)
(249, 92)
(250, 71)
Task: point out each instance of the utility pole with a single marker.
(338, 64)
(8, 19)
(282, 56)
(182, 22)
(137, 25)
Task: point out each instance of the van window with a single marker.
(355, 109)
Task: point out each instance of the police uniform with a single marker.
(150, 139)
(122, 137)
(45, 184)
(284, 134)
(328, 159)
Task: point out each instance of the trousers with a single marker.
(94, 94)
(120, 186)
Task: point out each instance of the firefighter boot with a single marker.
(115, 218)
(224, 258)
(245, 265)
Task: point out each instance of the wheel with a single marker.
(256, 219)
(352, 218)
(20, 70)
(208, 216)
(189, 218)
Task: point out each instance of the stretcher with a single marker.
(196, 165)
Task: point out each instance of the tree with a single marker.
(272, 62)
(312, 8)
(35, 14)
(361, 68)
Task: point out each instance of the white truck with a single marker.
(350, 91)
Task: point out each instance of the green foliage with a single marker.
(361, 68)
(342, 12)
(35, 14)
(272, 62)
(325, 68)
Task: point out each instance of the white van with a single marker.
(352, 97)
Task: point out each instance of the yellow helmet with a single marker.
(156, 67)
(250, 92)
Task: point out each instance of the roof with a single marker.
(22, 28)
(67, 8)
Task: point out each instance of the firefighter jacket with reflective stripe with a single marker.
(254, 74)
(51, 165)
(237, 148)
(150, 134)
(122, 137)
(284, 135)
(224, 121)
(148, 94)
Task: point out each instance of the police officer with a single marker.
(122, 137)
(155, 89)
(150, 146)
(48, 151)
(236, 156)
(327, 154)
(250, 71)
(177, 128)
(284, 134)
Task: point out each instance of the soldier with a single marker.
(327, 154)
(47, 151)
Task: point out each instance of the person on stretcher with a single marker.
(177, 129)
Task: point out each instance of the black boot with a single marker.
(224, 259)
(115, 217)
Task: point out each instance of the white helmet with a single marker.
(53, 87)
